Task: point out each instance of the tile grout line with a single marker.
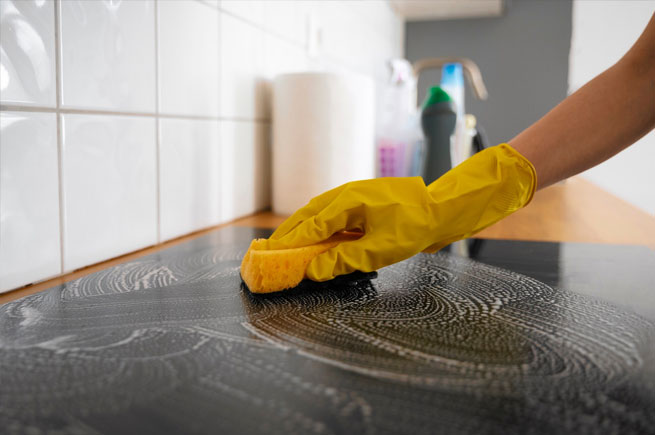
(60, 137)
(157, 125)
(258, 26)
(264, 29)
(70, 111)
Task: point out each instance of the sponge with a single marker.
(268, 271)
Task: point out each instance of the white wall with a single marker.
(124, 124)
(603, 31)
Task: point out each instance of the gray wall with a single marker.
(523, 56)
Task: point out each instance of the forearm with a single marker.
(602, 118)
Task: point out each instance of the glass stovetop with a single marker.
(525, 337)
(621, 274)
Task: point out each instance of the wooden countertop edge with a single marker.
(576, 211)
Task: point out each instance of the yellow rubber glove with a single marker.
(401, 217)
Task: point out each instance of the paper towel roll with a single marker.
(323, 135)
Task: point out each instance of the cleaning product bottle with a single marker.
(399, 138)
(417, 146)
(452, 81)
(438, 121)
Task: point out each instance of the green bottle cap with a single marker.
(435, 95)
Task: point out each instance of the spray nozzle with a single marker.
(401, 72)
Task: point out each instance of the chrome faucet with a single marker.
(471, 71)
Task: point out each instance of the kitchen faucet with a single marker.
(471, 71)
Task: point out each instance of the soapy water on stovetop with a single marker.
(453, 323)
(137, 332)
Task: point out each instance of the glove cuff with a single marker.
(482, 190)
(529, 179)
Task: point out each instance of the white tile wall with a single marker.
(245, 168)
(286, 18)
(250, 10)
(280, 57)
(163, 115)
(27, 54)
(188, 176)
(109, 185)
(108, 54)
(29, 198)
(212, 3)
(242, 67)
(188, 58)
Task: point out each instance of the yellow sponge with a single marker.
(267, 271)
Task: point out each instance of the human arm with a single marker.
(603, 117)
(401, 217)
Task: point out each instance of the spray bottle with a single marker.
(399, 139)
(452, 81)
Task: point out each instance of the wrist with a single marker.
(529, 173)
(482, 190)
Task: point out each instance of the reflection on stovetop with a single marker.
(173, 343)
(621, 274)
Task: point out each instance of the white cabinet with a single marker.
(424, 10)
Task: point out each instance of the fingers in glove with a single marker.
(339, 260)
(313, 208)
(310, 231)
(366, 254)
(293, 221)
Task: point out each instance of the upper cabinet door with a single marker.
(421, 10)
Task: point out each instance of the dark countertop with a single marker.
(561, 339)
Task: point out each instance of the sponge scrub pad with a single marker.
(267, 271)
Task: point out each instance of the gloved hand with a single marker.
(401, 217)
